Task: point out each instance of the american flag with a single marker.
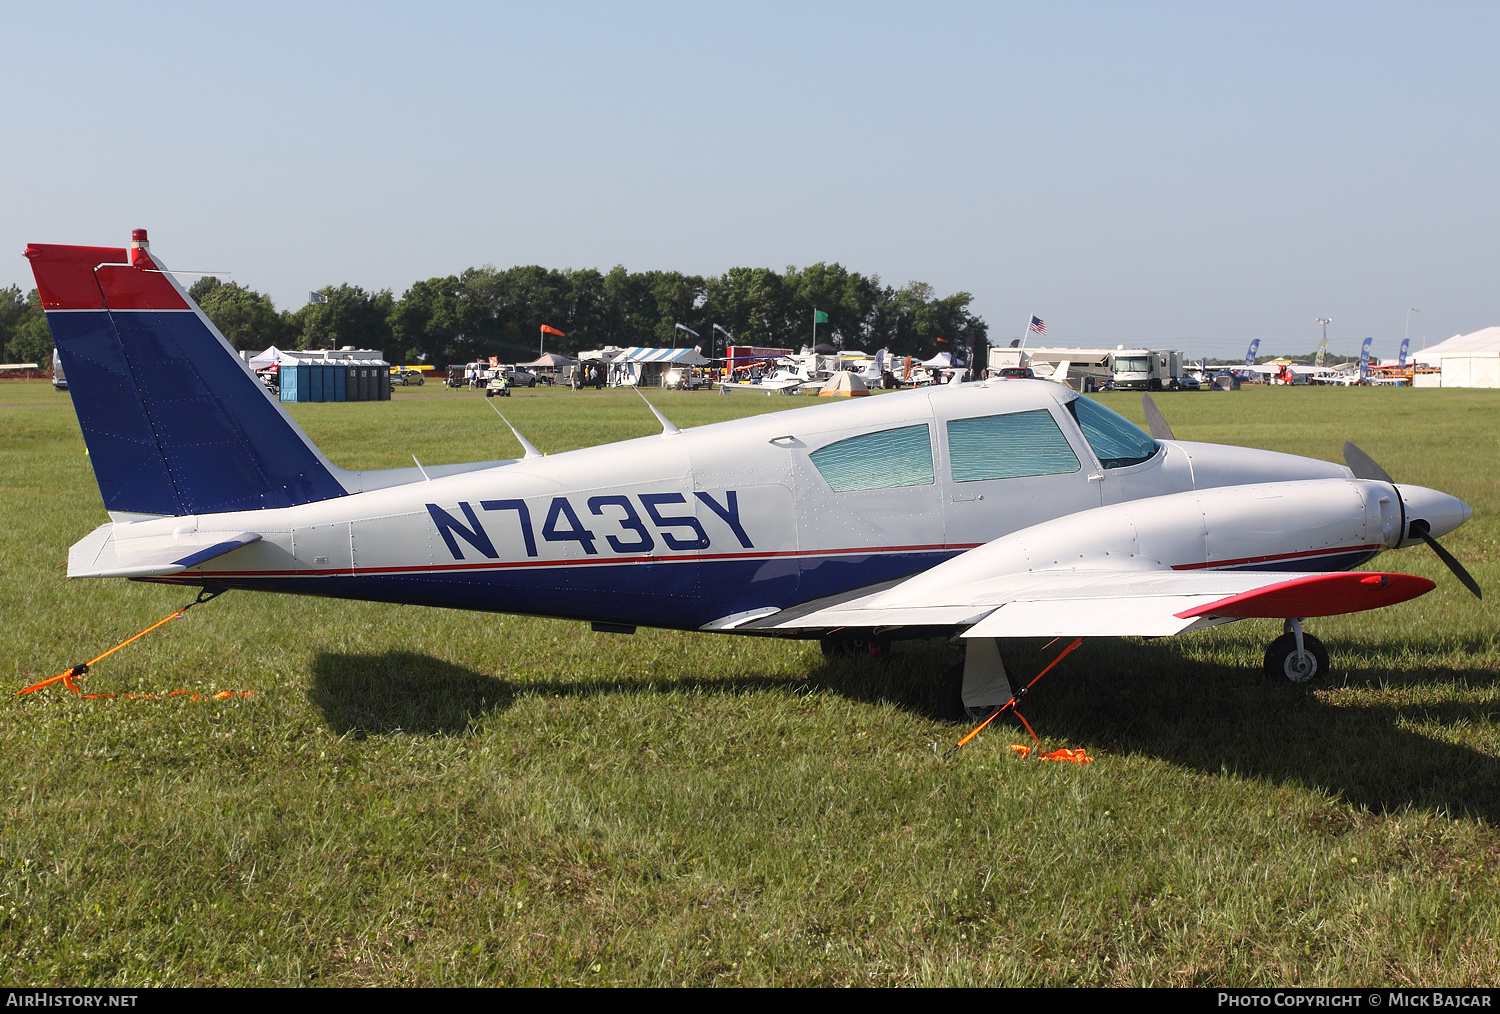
(1038, 325)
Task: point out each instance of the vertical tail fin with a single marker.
(1250, 352)
(174, 420)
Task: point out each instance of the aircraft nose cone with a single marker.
(1442, 512)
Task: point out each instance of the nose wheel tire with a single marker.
(1284, 662)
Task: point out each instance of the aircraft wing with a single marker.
(1100, 602)
(101, 554)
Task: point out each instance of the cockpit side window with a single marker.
(1008, 447)
(1116, 440)
(884, 460)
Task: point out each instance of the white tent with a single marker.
(1466, 360)
(941, 361)
(1485, 342)
(261, 360)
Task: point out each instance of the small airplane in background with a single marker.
(988, 510)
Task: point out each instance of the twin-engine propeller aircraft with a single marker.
(991, 510)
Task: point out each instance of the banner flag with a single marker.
(819, 317)
(316, 297)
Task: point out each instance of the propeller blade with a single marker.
(1154, 419)
(1421, 530)
(1362, 465)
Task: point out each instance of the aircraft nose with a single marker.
(1443, 513)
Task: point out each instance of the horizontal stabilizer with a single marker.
(101, 554)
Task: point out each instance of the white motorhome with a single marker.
(1147, 369)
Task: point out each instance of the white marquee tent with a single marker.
(1466, 360)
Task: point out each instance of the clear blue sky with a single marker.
(1196, 175)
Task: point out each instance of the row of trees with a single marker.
(486, 311)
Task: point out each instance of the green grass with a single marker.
(445, 798)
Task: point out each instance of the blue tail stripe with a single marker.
(201, 434)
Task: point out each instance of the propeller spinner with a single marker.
(1432, 503)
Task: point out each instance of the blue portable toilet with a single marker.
(340, 373)
(382, 380)
(296, 382)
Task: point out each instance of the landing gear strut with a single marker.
(1297, 656)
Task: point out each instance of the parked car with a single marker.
(519, 377)
(1016, 372)
(1188, 382)
(408, 378)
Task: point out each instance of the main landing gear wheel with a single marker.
(1283, 659)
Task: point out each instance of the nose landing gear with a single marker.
(1295, 655)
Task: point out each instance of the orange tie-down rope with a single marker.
(67, 676)
(1078, 756)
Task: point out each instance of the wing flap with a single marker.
(1118, 616)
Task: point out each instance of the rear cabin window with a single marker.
(1117, 440)
(1008, 447)
(884, 460)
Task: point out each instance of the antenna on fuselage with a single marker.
(667, 426)
(526, 445)
(425, 476)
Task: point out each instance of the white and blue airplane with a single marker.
(991, 510)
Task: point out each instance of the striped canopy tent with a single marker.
(642, 367)
(679, 357)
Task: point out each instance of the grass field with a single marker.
(446, 798)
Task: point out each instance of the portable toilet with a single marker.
(296, 384)
(340, 381)
(382, 373)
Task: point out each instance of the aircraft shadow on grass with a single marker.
(1119, 697)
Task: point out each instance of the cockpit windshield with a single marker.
(1116, 440)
